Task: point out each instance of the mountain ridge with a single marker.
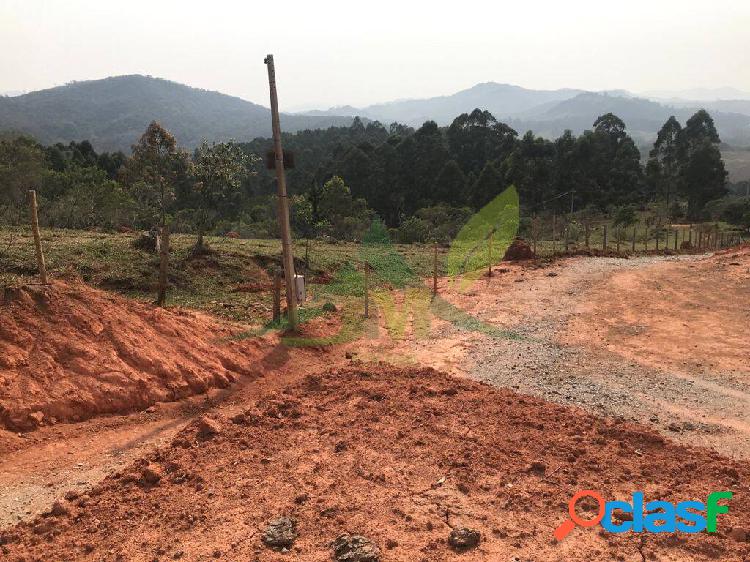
(113, 112)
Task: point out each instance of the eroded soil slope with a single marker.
(401, 456)
(69, 352)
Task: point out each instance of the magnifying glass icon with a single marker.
(567, 526)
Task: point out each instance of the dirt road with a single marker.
(662, 341)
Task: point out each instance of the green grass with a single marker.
(208, 282)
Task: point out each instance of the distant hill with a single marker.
(113, 113)
(550, 112)
(642, 117)
(502, 100)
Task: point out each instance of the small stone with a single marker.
(340, 447)
(71, 495)
(355, 548)
(37, 417)
(464, 538)
(208, 428)
(673, 427)
(738, 534)
(59, 509)
(537, 467)
(150, 475)
(280, 533)
(151, 409)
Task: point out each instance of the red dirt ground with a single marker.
(69, 352)
(674, 315)
(401, 456)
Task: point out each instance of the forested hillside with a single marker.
(113, 113)
(422, 183)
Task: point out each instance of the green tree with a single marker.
(157, 164)
(218, 170)
(450, 184)
(703, 176)
(345, 216)
(22, 167)
(488, 185)
(476, 138)
(663, 168)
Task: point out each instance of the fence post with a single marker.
(163, 264)
(554, 227)
(489, 255)
(434, 270)
(37, 238)
(276, 296)
(367, 292)
(634, 228)
(604, 239)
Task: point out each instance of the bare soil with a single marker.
(399, 456)
(658, 340)
(69, 352)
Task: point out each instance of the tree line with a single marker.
(422, 183)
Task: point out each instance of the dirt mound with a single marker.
(69, 352)
(519, 250)
(402, 457)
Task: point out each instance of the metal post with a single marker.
(286, 231)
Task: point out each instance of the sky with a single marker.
(352, 52)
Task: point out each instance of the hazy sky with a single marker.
(354, 52)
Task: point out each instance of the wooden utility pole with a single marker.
(283, 210)
(37, 237)
(634, 233)
(276, 296)
(604, 239)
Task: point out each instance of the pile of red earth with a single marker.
(519, 250)
(69, 352)
(383, 464)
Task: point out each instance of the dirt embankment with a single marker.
(69, 352)
(400, 456)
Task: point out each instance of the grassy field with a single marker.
(235, 278)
